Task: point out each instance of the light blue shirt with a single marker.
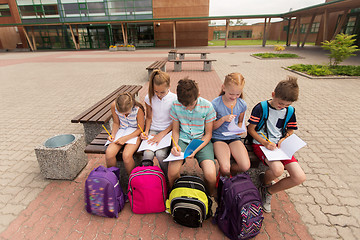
(221, 111)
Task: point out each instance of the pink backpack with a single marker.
(147, 190)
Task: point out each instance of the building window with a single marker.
(5, 10)
(315, 27)
(240, 34)
(350, 26)
(304, 27)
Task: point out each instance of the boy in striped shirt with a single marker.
(193, 118)
(285, 93)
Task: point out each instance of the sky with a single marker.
(255, 7)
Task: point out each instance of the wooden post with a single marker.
(293, 31)
(227, 31)
(309, 29)
(341, 23)
(33, 38)
(77, 34)
(174, 33)
(325, 30)
(28, 39)
(123, 33)
(126, 35)
(288, 32)
(299, 32)
(264, 34)
(73, 37)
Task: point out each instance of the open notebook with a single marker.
(287, 149)
(194, 144)
(165, 142)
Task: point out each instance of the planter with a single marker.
(125, 48)
(62, 156)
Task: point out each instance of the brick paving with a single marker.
(40, 92)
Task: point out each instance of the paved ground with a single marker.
(40, 92)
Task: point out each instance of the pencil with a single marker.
(106, 130)
(232, 107)
(143, 132)
(265, 137)
(175, 143)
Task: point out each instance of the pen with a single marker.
(265, 137)
(106, 130)
(175, 143)
(143, 132)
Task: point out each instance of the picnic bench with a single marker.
(172, 54)
(178, 63)
(202, 54)
(94, 117)
(156, 65)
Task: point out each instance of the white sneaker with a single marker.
(262, 178)
(265, 199)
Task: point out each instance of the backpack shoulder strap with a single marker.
(289, 112)
(264, 115)
(116, 171)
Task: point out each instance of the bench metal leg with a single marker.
(207, 66)
(182, 55)
(177, 66)
(163, 68)
(203, 55)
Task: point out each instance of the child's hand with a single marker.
(143, 136)
(270, 145)
(121, 141)
(280, 141)
(111, 138)
(175, 151)
(228, 118)
(155, 140)
(191, 156)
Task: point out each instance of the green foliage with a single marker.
(276, 55)
(250, 42)
(341, 48)
(323, 70)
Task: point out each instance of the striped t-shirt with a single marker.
(192, 123)
(129, 120)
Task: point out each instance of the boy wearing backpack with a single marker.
(270, 130)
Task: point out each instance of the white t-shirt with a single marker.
(161, 111)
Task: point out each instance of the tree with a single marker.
(240, 22)
(341, 48)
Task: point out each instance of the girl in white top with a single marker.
(158, 123)
(127, 114)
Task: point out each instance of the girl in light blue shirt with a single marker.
(230, 106)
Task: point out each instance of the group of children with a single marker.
(190, 116)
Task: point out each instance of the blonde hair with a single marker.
(157, 77)
(234, 78)
(288, 89)
(126, 101)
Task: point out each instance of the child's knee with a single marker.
(299, 178)
(225, 170)
(277, 170)
(127, 157)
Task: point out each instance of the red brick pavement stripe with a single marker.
(59, 212)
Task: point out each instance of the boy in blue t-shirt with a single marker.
(285, 93)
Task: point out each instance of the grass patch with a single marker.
(276, 55)
(324, 70)
(250, 42)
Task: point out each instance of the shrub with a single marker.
(341, 48)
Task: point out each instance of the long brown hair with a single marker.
(126, 101)
(234, 78)
(157, 77)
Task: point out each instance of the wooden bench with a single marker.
(156, 65)
(100, 113)
(178, 63)
(172, 54)
(202, 54)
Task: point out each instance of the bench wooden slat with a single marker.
(100, 149)
(105, 114)
(91, 109)
(192, 60)
(156, 64)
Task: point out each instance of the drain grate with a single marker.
(234, 65)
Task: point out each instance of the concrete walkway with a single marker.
(40, 92)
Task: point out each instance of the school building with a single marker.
(97, 24)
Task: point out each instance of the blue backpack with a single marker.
(265, 114)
